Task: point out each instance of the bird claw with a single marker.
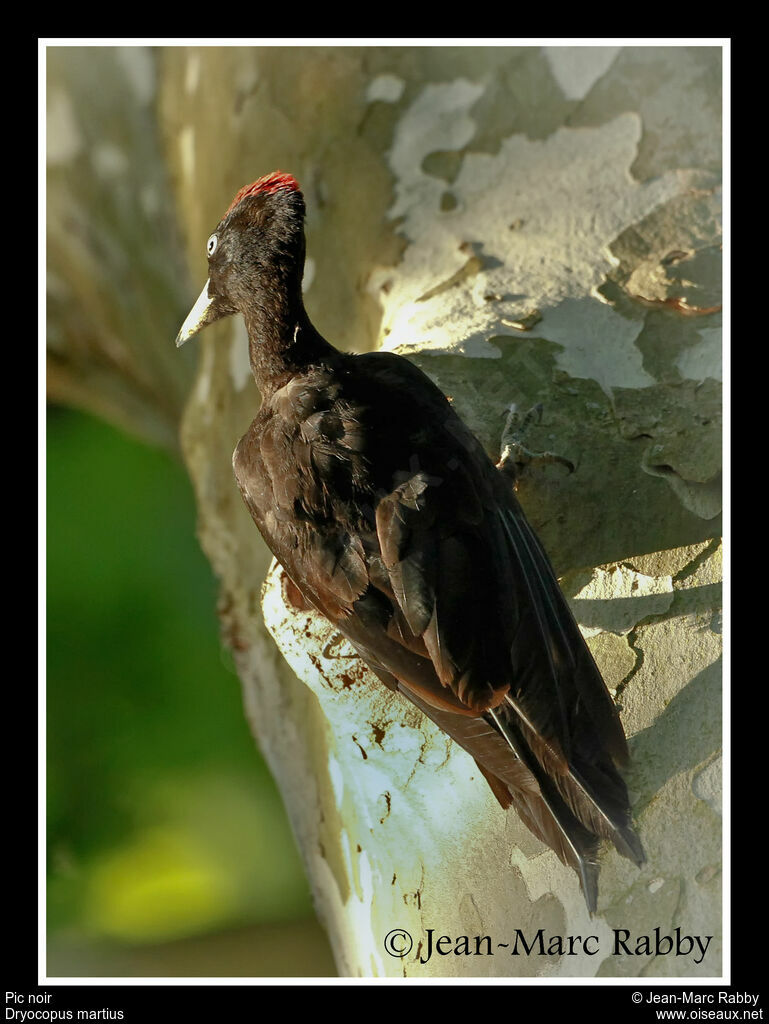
(514, 455)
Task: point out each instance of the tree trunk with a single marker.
(530, 225)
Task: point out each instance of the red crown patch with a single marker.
(266, 185)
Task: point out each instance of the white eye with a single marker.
(211, 245)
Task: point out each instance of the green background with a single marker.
(169, 851)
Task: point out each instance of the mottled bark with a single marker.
(530, 225)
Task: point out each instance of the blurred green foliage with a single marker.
(163, 821)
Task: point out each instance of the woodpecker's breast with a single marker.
(302, 462)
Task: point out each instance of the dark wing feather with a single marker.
(408, 554)
(429, 530)
(571, 673)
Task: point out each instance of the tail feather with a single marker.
(550, 819)
(595, 793)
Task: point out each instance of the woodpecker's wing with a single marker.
(465, 574)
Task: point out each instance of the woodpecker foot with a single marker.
(514, 455)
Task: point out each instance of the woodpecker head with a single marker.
(255, 255)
